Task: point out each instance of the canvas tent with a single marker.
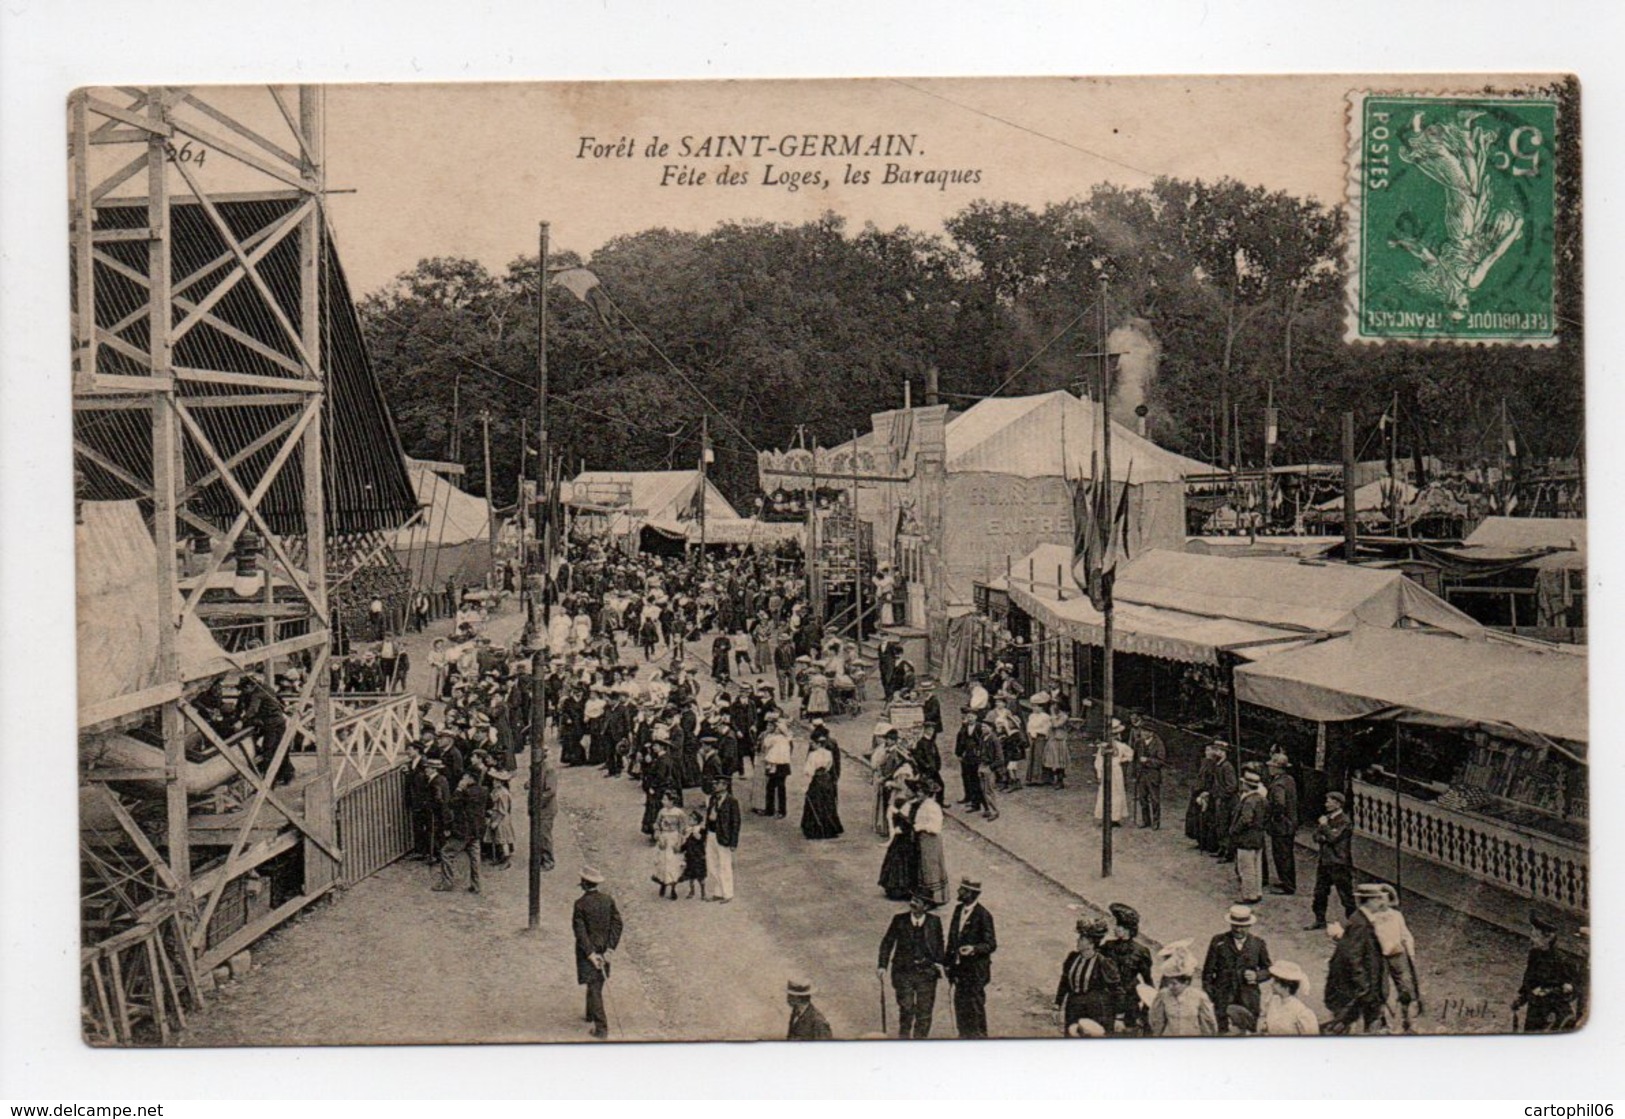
(1517, 691)
(450, 539)
(622, 502)
(118, 618)
(729, 530)
(1179, 606)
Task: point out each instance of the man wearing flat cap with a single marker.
(806, 1021)
(1334, 836)
(1237, 962)
(913, 950)
(596, 922)
(1547, 993)
(971, 944)
(1090, 984)
(1357, 976)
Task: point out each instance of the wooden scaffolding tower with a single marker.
(177, 142)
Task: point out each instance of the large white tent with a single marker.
(450, 539)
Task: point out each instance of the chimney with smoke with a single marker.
(1136, 370)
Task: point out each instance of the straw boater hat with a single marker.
(968, 883)
(1241, 916)
(591, 875)
(1370, 890)
(800, 989)
(1086, 1027)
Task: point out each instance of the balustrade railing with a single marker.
(1543, 868)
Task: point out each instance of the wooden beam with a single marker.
(242, 130)
(273, 195)
(138, 837)
(249, 400)
(286, 647)
(278, 233)
(120, 346)
(119, 706)
(119, 136)
(248, 266)
(246, 380)
(128, 171)
(252, 448)
(153, 124)
(241, 155)
(103, 236)
(213, 957)
(138, 102)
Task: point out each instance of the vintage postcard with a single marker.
(920, 558)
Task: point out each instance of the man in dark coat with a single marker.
(971, 944)
(888, 667)
(1547, 995)
(968, 750)
(722, 819)
(259, 709)
(438, 805)
(913, 949)
(927, 759)
(1334, 835)
(1090, 982)
(1247, 836)
(468, 805)
(1133, 961)
(1357, 977)
(806, 1021)
(1281, 822)
(1220, 805)
(596, 923)
(1150, 757)
(1237, 962)
(417, 803)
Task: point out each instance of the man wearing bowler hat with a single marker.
(596, 922)
(1281, 823)
(1237, 962)
(913, 950)
(1357, 977)
(806, 1021)
(971, 944)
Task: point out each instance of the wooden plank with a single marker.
(248, 934)
(119, 706)
(278, 233)
(107, 236)
(118, 136)
(242, 155)
(242, 130)
(106, 774)
(303, 385)
(272, 195)
(117, 178)
(151, 125)
(276, 432)
(253, 856)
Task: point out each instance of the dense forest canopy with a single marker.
(1220, 293)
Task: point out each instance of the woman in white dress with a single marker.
(1285, 1015)
(1121, 755)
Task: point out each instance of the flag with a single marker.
(1272, 426)
(584, 284)
(1100, 537)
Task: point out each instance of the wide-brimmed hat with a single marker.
(1371, 890)
(1292, 973)
(1279, 760)
(1086, 1027)
(968, 883)
(591, 875)
(502, 775)
(800, 989)
(1241, 916)
(1038, 699)
(1092, 928)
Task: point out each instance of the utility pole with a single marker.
(538, 628)
(490, 507)
(454, 449)
(1108, 615)
(857, 546)
(1393, 479)
(1351, 521)
(522, 517)
(1271, 433)
(705, 459)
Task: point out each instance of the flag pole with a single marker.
(538, 657)
(1109, 748)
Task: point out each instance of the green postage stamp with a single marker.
(1452, 207)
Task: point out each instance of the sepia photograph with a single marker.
(839, 559)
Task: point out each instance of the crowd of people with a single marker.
(709, 733)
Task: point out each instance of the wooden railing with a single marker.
(1541, 867)
(370, 733)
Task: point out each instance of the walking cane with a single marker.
(884, 1028)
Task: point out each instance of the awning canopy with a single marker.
(728, 530)
(1187, 607)
(1516, 691)
(450, 516)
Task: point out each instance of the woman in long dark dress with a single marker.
(900, 869)
(820, 811)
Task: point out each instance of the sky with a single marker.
(470, 170)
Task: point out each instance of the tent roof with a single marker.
(1561, 541)
(1373, 496)
(1051, 435)
(118, 616)
(450, 517)
(1186, 607)
(656, 494)
(1439, 679)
